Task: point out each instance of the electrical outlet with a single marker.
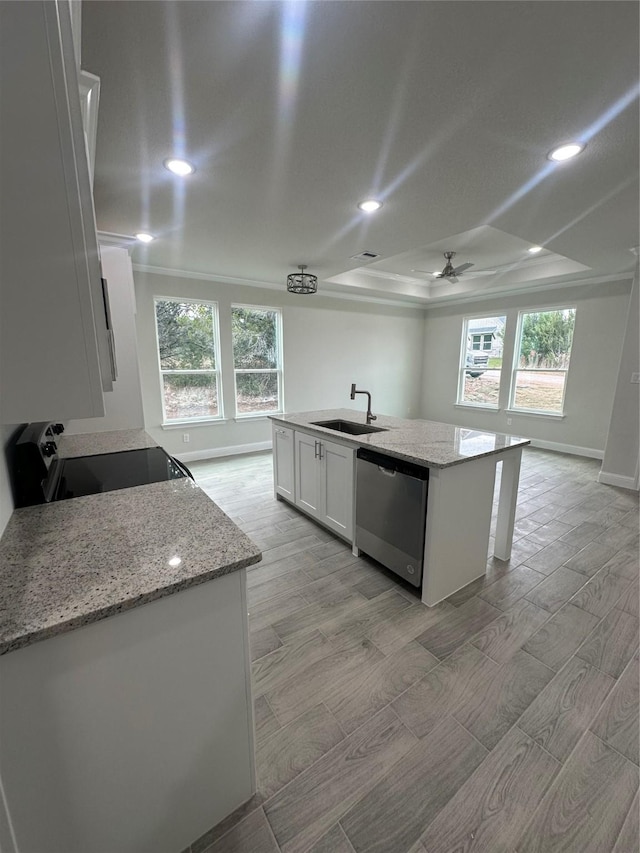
(635, 378)
(508, 421)
(185, 437)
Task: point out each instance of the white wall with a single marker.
(328, 344)
(620, 465)
(123, 405)
(599, 329)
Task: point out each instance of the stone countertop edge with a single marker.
(110, 441)
(429, 443)
(31, 637)
(70, 563)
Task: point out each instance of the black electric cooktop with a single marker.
(105, 472)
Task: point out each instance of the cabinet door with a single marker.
(54, 347)
(283, 461)
(336, 487)
(307, 477)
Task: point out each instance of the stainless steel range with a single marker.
(40, 475)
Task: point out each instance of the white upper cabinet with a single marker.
(55, 353)
(123, 406)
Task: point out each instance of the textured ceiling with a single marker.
(293, 112)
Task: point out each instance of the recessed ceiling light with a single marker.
(370, 205)
(534, 250)
(143, 237)
(179, 167)
(565, 152)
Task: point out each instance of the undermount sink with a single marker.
(348, 426)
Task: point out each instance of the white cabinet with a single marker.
(98, 740)
(55, 358)
(123, 406)
(324, 481)
(283, 462)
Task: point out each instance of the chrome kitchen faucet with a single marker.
(370, 416)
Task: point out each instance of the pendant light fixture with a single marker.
(302, 282)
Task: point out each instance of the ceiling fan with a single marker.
(451, 273)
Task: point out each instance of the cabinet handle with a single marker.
(315, 449)
(320, 446)
(112, 355)
(110, 339)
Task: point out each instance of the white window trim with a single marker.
(167, 423)
(537, 413)
(463, 366)
(194, 422)
(241, 416)
(258, 417)
(515, 368)
(482, 407)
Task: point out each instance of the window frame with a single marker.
(515, 367)
(462, 365)
(279, 370)
(217, 371)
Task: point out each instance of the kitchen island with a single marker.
(462, 468)
(125, 699)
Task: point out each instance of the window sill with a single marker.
(555, 416)
(477, 407)
(256, 417)
(192, 422)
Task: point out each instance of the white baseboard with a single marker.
(573, 449)
(231, 450)
(618, 480)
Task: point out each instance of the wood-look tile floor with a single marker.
(504, 719)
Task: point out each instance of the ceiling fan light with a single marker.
(302, 282)
(565, 152)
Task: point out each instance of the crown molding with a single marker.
(120, 241)
(530, 288)
(270, 285)
(415, 303)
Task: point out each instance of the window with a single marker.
(257, 359)
(541, 360)
(481, 361)
(481, 341)
(189, 359)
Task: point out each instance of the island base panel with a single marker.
(458, 525)
(508, 503)
(134, 733)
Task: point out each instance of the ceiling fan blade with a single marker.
(462, 268)
(479, 272)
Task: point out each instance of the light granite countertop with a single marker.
(428, 443)
(94, 443)
(69, 563)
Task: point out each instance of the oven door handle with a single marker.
(183, 468)
(51, 483)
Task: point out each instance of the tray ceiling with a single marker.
(294, 112)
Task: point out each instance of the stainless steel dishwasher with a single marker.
(391, 510)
